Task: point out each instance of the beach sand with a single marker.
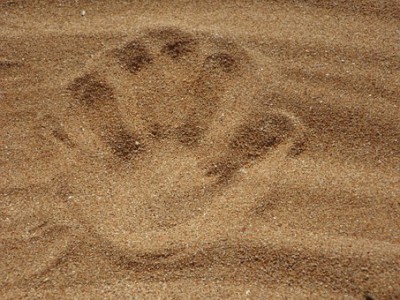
(211, 149)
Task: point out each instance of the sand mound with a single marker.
(207, 154)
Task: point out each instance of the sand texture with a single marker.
(200, 149)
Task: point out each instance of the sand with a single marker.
(222, 149)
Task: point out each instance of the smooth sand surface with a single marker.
(200, 149)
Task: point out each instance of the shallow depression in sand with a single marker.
(155, 105)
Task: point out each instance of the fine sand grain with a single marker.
(201, 149)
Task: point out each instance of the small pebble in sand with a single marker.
(83, 13)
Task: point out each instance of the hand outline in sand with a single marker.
(171, 123)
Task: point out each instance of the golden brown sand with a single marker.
(216, 150)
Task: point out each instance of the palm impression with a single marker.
(173, 140)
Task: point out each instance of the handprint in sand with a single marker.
(173, 140)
